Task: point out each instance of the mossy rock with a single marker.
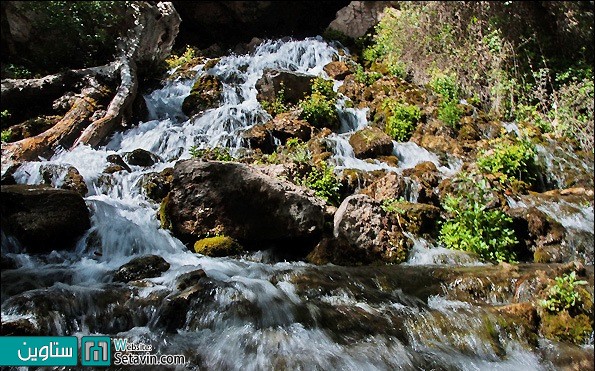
(163, 217)
(371, 142)
(205, 94)
(217, 246)
(564, 327)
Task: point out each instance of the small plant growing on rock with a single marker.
(319, 107)
(563, 295)
(278, 105)
(402, 119)
(448, 108)
(321, 178)
(473, 227)
(366, 77)
(509, 157)
(297, 150)
(214, 154)
(6, 135)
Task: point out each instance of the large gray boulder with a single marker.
(295, 85)
(43, 218)
(238, 201)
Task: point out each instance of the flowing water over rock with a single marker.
(247, 314)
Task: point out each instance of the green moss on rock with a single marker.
(205, 94)
(564, 327)
(217, 246)
(163, 218)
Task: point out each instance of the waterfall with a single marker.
(247, 315)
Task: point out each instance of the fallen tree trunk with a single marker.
(148, 42)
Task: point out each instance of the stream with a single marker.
(254, 313)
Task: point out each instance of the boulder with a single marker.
(358, 17)
(295, 86)
(43, 218)
(238, 201)
(75, 182)
(362, 224)
(540, 234)
(142, 267)
(283, 126)
(392, 185)
(205, 94)
(141, 157)
(371, 142)
(157, 185)
(337, 70)
(117, 160)
(217, 246)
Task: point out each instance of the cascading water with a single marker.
(245, 315)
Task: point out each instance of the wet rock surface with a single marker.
(141, 267)
(240, 202)
(43, 218)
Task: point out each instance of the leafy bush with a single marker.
(450, 113)
(215, 154)
(321, 178)
(402, 119)
(188, 57)
(297, 150)
(446, 86)
(6, 135)
(509, 157)
(393, 205)
(324, 87)
(471, 226)
(278, 105)
(318, 110)
(366, 77)
(563, 295)
(87, 30)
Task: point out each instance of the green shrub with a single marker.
(366, 77)
(188, 57)
(402, 119)
(509, 157)
(393, 205)
(450, 113)
(6, 135)
(446, 86)
(214, 154)
(297, 150)
(318, 110)
(87, 32)
(321, 178)
(277, 106)
(472, 227)
(563, 295)
(324, 87)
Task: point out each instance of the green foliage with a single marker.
(366, 77)
(450, 113)
(214, 154)
(393, 205)
(13, 71)
(321, 178)
(6, 135)
(473, 227)
(318, 110)
(297, 150)
(446, 86)
(563, 295)
(4, 114)
(324, 87)
(278, 105)
(188, 57)
(86, 31)
(402, 119)
(509, 157)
